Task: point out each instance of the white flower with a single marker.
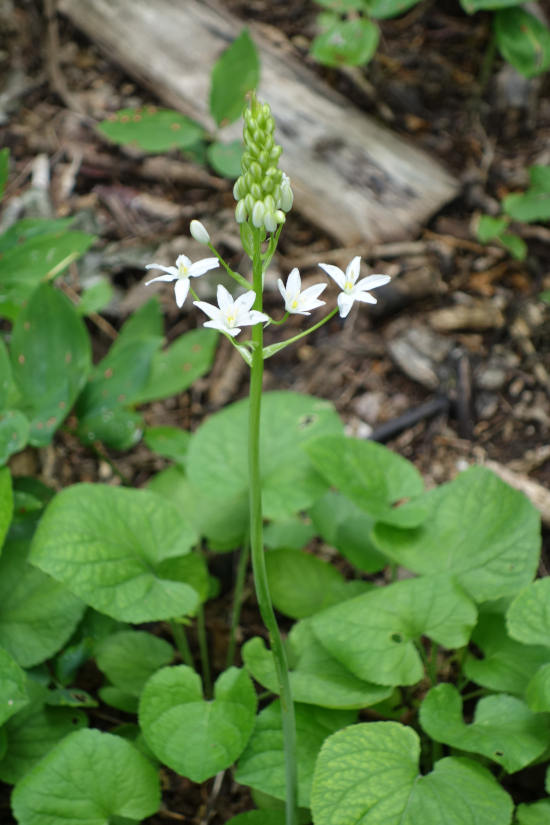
(181, 272)
(232, 315)
(353, 291)
(199, 232)
(296, 301)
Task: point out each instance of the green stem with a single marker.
(203, 647)
(432, 666)
(269, 351)
(283, 319)
(437, 752)
(238, 598)
(178, 632)
(257, 548)
(475, 693)
(239, 278)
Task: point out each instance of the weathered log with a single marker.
(351, 176)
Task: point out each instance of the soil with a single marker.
(424, 83)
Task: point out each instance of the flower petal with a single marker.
(364, 297)
(200, 267)
(244, 302)
(224, 298)
(255, 318)
(372, 282)
(294, 282)
(182, 290)
(212, 311)
(183, 259)
(353, 269)
(282, 289)
(313, 291)
(312, 304)
(345, 303)
(335, 273)
(173, 270)
(222, 328)
(162, 278)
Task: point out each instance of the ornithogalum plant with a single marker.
(264, 197)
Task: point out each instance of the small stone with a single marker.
(486, 404)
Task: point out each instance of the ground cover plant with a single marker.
(411, 702)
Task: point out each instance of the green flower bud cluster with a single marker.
(263, 192)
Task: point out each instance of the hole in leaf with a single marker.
(499, 753)
(306, 421)
(397, 638)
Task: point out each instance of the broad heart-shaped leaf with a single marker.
(24, 266)
(504, 729)
(536, 814)
(34, 731)
(28, 228)
(130, 657)
(537, 694)
(342, 524)
(262, 765)
(528, 617)
(119, 699)
(372, 476)
(146, 322)
(174, 369)
(6, 503)
(119, 428)
(14, 433)
(37, 614)
(523, 41)
(218, 456)
(50, 354)
(155, 130)
(171, 442)
(106, 544)
(369, 774)
(225, 158)
(222, 522)
(301, 584)
(90, 777)
(479, 529)
(13, 693)
(384, 9)
(316, 678)
(197, 738)
(373, 635)
(507, 665)
(346, 43)
(292, 533)
(234, 74)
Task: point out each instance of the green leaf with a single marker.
(6, 378)
(28, 228)
(344, 6)
(170, 442)
(259, 818)
(507, 665)
(218, 455)
(528, 207)
(523, 41)
(14, 433)
(24, 266)
(489, 227)
(369, 773)
(190, 569)
(152, 129)
(479, 529)
(515, 245)
(37, 614)
(146, 322)
(89, 778)
(236, 73)
(540, 176)
(34, 731)
(537, 694)
(504, 729)
(72, 658)
(316, 677)
(373, 635)
(537, 814)
(373, 477)
(13, 693)
(4, 168)
(346, 43)
(223, 522)
(106, 544)
(6, 503)
(119, 428)
(384, 9)
(96, 297)
(301, 584)
(173, 370)
(119, 699)
(471, 6)
(293, 533)
(262, 765)
(343, 525)
(50, 354)
(74, 698)
(130, 658)
(132, 733)
(197, 738)
(225, 158)
(528, 617)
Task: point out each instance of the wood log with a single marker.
(351, 176)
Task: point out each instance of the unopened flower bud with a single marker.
(276, 153)
(267, 185)
(249, 201)
(256, 191)
(269, 203)
(241, 212)
(280, 216)
(263, 158)
(199, 232)
(270, 222)
(256, 171)
(287, 198)
(258, 214)
(237, 190)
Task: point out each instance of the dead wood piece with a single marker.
(532, 459)
(477, 316)
(177, 171)
(535, 492)
(228, 383)
(350, 176)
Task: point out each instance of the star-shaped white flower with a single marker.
(296, 301)
(232, 315)
(181, 272)
(353, 291)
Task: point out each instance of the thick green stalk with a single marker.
(257, 549)
(203, 646)
(178, 632)
(237, 599)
